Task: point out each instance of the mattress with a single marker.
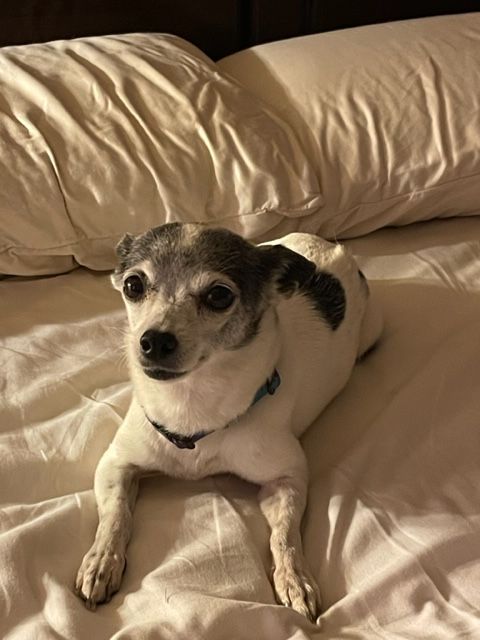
(391, 530)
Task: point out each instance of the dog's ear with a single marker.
(123, 247)
(290, 270)
(122, 250)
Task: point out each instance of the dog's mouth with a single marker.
(163, 374)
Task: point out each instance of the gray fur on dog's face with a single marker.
(178, 265)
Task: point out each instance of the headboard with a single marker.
(218, 27)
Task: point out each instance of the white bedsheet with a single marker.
(392, 528)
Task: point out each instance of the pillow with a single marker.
(388, 114)
(100, 136)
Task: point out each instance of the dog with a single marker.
(233, 349)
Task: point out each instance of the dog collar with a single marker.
(188, 442)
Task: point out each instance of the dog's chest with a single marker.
(192, 464)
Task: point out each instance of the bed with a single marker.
(369, 136)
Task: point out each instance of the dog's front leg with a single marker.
(283, 502)
(116, 486)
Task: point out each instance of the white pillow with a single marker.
(389, 115)
(100, 136)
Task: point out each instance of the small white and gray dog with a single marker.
(234, 349)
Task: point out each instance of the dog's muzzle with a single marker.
(156, 346)
(162, 374)
(158, 351)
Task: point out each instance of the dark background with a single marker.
(218, 27)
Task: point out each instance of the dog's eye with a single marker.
(133, 287)
(219, 297)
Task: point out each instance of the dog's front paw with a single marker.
(295, 586)
(100, 575)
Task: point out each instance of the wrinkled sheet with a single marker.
(392, 527)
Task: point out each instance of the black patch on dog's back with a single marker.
(299, 275)
(327, 296)
(296, 271)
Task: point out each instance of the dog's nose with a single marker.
(156, 345)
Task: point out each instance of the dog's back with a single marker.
(328, 326)
(336, 260)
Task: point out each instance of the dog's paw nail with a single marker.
(295, 588)
(91, 605)
(99, 577)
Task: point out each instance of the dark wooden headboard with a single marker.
(218, 27)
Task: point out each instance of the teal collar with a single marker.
(269, 388)
(188, 442)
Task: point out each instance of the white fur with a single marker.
(261, 446)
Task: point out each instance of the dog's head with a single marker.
(192, 291)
